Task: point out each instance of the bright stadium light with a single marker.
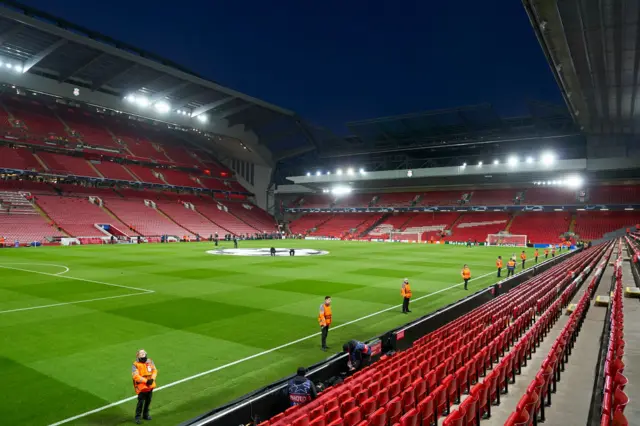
(131, 99)
(340, 190)
(339, 172)
(142, 101)
(328, 173)
(548, 158)
(18, 68)
(308, 173)
(496, 162)
(362, 172)
(202, 118)
(513, 161)
(574, 182)
(350, 172)
(9, 66)
(162, 107)
(529, 160)
(464, 165)
(479, 163)
(318, 173)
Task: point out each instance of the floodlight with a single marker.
(496, 162)
(464, 165)
(548, 158)
(202, 118)
(18, 68)
(9, 66)
(574, 181)
(142, 101)
(318, 173)
(130, 98)
(513, 161)
(350, 171)
(339, 172)
(529, 160)
(328, 173)
(162, 107)
(341, 190)
(362, 171)
(479, 163)
(308, 173)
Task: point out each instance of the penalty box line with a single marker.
(139, 291)
(257, 355)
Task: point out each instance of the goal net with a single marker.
(405, 236)
(506, 240)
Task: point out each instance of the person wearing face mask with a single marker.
(144, 375)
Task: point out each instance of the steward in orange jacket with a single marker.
(144, 375)
(466, 275)
(405, 292)
(523, 257)
(535, 254)
(511, 267)
(499, 265)
(324, 319)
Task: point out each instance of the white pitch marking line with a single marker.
(144, 290)
(66, 269)
(250, 357)
(70, 303)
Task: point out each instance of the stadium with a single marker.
(145, 206)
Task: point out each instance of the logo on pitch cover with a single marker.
(267, 252)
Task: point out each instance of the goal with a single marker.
(405, 236)
(506, 240)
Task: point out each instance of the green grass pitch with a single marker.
(196, 312)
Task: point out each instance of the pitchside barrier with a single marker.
(270, 400)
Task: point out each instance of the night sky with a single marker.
(338, 61)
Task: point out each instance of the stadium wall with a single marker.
(270, 400)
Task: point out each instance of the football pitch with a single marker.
(217, 327)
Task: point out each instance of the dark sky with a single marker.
(340, 60)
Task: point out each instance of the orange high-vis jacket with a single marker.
(535, 253)
(324, 317)
(141, 372)
(546, 251)
(511, 263)
(405, 291)
(523, 256)
(499, 263)
(466, 273)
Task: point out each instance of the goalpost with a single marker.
(405, 236)
(506, 240)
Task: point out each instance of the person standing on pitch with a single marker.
(405, 292)
(523, 257)
(511, 267)
(324, 318)
(466, 275)
(535, 255)
(499, 265)
(144, 375)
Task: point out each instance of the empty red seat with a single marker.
(394, 410)
(456, 418)
(379, 417)
(410, 418)
(519, 418)
(352, 417)
(426, 410)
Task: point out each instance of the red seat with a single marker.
(332, 415)
(394, 410)
(427, 412)
(519, 418)
(316, 411)
(301, 421)
(420, 388)
(361, 396)
(470, 407)
(330, 404)
(620, 400)
(318, 421)
(337, 422)
(619, 419)
(411, 418)
(352, 417)
(456, 418)
(382, 397)
(439, 400)
(378, 418)
(408, 399)
(394, 389)
(347, 405)
(368, 406)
